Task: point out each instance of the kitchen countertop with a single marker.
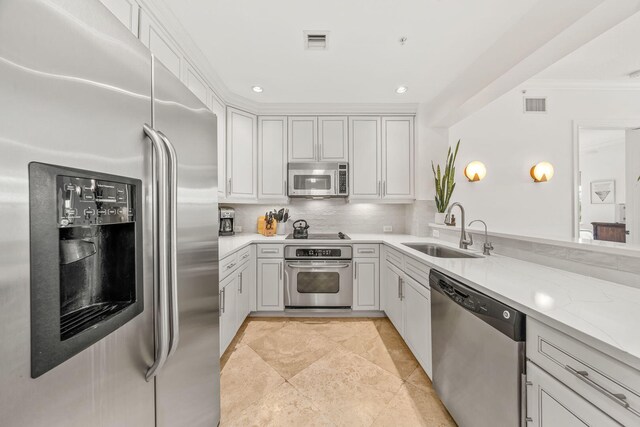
(603, 314)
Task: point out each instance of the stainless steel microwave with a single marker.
(318, 179)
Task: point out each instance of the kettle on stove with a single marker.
(300, 229)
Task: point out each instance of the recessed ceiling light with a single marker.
(257, 89)
(401, 89)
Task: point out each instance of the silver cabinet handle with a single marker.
(160, 249)
(619, 398)
(280, 270)
(399, 288)
(366, 251)
(230, 265)
(269, 251)
(229, 185)
(355, 270)
(246, 256)
(224, 299)
(174, 313)
(384, 188)
(379, 186)
(240, 284)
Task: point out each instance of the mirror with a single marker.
(582, 115)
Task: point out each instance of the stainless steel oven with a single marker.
(318, 179)
(318, 276)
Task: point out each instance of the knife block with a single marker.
(262, 227)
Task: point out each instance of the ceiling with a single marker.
(592, 139)
(257, 42)
(609, 57)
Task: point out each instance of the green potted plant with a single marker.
(445, 183)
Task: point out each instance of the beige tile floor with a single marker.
(325, 372)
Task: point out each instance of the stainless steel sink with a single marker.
(439, 251)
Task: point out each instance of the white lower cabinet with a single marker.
(393, 295)
(417, 320)
(407, 303)
(366, 284)
(270, 284)
(228, 310)
(246, 278)
(552, 404)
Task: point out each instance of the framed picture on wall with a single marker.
(603, 192)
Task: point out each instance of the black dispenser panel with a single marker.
(86, 261)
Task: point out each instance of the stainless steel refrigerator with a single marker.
(82, 101)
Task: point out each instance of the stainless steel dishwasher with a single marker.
(478, 355)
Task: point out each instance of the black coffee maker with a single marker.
(300, 229)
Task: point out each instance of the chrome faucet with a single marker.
(488, 246)
(465, 241)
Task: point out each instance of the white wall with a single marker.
(431, 144)
(602, 163)
(509, 142)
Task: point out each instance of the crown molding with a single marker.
(567, 84)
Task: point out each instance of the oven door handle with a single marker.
(328, 266)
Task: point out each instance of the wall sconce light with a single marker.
(475, 171)
(542, 172)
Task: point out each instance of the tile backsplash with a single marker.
(330, 215)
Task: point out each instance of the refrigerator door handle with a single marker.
(174, 315)
(160, 233)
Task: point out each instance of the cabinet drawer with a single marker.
(244, 255)
(394, 257)
(228, 264)
(611, 385)
(366, 251)
(270, 251)
(417, 270)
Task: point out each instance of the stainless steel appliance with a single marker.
(227, 216)
(318, 179)
(81, 92)
(478, 355)
(318, 276)
(300, 229)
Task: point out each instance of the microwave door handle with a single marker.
(172, 206)
(335, 182)
(160, 233)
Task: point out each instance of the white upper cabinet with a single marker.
(382, 158)
(196, 83)
(397, 158)
(156, 39)
(126, 11)
(219, 110)
(303, 142)
(332, 139)
(242, 154)
(364, 145)
(272, 157)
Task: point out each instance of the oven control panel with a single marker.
(86, 201)
(318, 253)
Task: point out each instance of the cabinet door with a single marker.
(393, 290)
(228, 311)
(417, 321)
(158, 41)
(332, 139)
(126, 11)
(270, 285)
(218, 108)
(242, 158)
(245, 277)
(552, 404)
(397, 158)
(364, 152)
(272, 157)
(366, 284)
(302, 139)
(196, 83)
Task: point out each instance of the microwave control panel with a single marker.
(343, 180)
(86, 201)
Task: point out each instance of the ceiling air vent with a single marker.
(316, 40)
(535, 105)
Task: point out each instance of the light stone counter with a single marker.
(603, 314)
